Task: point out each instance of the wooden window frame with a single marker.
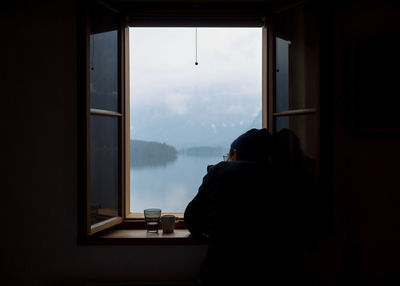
(85, 228)
(97, 227)
(176, 18)
(271, 74)
(136, 220)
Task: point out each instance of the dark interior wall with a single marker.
(366, 166)
(39, 180)
(38, 241)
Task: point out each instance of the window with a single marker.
(296, 97)
(102, 121)
(184, 116)
(287, 97)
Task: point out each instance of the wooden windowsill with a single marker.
(136, 215)
(141, 237)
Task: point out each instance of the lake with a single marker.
(170, 187)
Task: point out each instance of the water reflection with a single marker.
(168, 186)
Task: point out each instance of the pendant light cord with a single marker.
(196, 62)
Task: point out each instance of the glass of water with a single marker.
(152, 218)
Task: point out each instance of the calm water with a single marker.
(169, 187)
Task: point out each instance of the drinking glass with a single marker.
(152, 218)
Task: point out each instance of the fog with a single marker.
(183, 104)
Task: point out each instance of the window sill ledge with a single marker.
(141, 237)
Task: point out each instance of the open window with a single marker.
(111, 166)
(101, 121)
(192, 91)
(294, 77)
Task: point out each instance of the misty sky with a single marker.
(176, 102)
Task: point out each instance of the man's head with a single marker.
(254, 145)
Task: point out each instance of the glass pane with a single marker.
(189, 118)
(104, 167)
(305, 128)
(104, 71)
(297, 60)
(282, 74)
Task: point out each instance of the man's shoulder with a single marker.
(236, 168)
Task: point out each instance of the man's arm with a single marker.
(196, 216)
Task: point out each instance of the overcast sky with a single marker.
(177, 102)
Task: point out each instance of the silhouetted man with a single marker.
(247, 211)
(230, 210)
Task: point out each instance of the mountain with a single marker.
(203, 151)
(149, 154)
(188, 130)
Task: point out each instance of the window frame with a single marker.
(137, 219)
(272, 113)
(85, 228)
(178, 15)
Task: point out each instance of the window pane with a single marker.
(282, 74)
(297, 60)
(104, 71)
(185, 116)
(104, 167)
(305, 128)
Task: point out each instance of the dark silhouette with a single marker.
(295, 179)
(249, 213)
